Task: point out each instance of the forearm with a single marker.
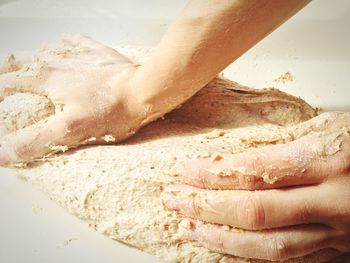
(208, 36)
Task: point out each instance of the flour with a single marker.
(57, 148)
(116, 188)
(23, 109)
(106, 138)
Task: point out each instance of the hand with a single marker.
(303, 205)
(88, 83)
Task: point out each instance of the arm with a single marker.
(101, 92)
(207, 37)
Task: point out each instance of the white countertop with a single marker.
(314, 47)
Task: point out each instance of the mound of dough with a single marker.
(20, 110)
(116, 188)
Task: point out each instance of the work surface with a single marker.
(313, 47)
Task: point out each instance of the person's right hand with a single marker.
(90, 81)
(276, 202)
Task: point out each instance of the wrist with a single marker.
(145, 90)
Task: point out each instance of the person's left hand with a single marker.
(89, 84)
(300, 203)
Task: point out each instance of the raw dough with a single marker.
(116, 188)
(23, 109)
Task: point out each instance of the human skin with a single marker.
(101, 92)
(292, 199)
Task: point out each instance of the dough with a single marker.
(23, 109)
(116, 188)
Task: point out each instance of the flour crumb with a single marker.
(215, 134)
(220, 173)
(20, 165)
(61, 148)
(224, 173)
(37, 209)
(67, 242)
(108, 138)
(284, 78)
(268, 178)
(69, 50)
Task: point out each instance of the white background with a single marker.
(314, 46)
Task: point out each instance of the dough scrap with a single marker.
(116, 188)
(20, 110)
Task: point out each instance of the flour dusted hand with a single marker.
(291, 199)
(88, 84)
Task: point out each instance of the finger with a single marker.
(259, 209)
(328, 121)
(308, 160)
(35, 141)
(275, 244)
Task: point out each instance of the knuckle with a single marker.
(184, 201)
(279, 249)
(254, 212)
(253, 180)
(303, 212)
(195, 207)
